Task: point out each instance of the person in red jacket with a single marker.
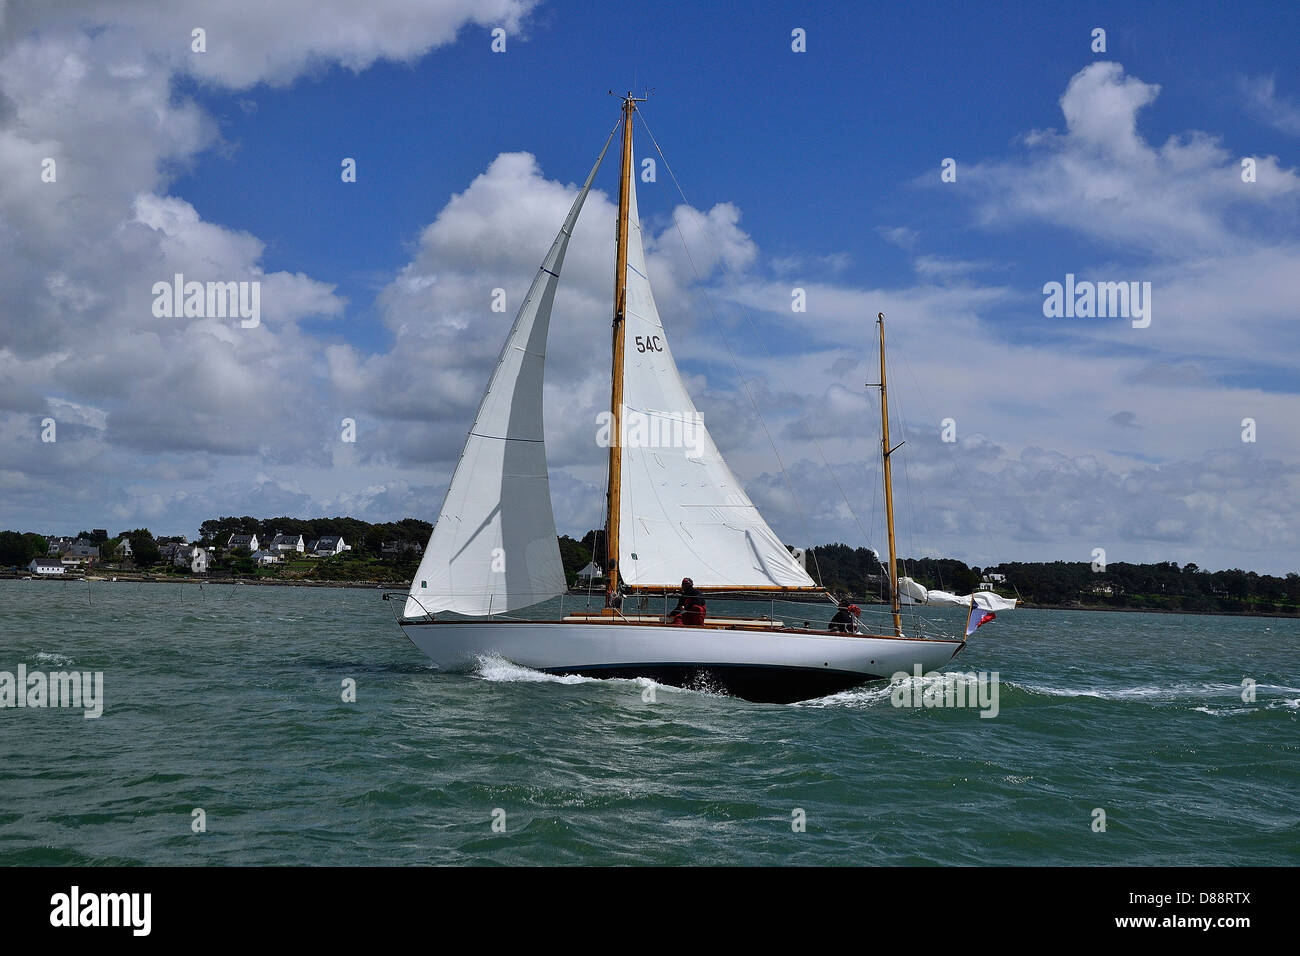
(690, 606)
(845, 619)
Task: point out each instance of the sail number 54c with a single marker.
(648, 343)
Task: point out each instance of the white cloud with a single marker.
(1260, 94)
(174, 421)
(1101, 179)
(91, 86)
(251, 41)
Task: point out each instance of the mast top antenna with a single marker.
(629, 99)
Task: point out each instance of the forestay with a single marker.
(493, 547)
(682, 512)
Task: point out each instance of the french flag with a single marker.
(978, 618)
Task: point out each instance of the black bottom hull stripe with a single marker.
(763, 684)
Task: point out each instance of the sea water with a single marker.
(228, 736)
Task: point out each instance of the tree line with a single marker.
(361, 535)
(1160, 586)
(366, 539)
(841, 568)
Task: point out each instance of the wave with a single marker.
(1172, 694)
(1223, 711)
(1220, 699)
(59, 660)
(1276, 704)
(881, 691)
(864, 696)
(501, 670)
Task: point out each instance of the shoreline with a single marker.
(128, 578)
(402, 586)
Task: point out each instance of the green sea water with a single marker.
(229, 700)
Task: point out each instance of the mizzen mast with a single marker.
(886, 452)
(614, 503)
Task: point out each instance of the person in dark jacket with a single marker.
(844, 618)
(690, 606)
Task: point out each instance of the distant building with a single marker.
(246, 541)
(123, 549)
(58, 545)
(288, 542)
(329, 545)
(995, 579)
(81, 551)
(46, 566)
(395, 549)
(184, 555)
(591, 572)
(265, 557)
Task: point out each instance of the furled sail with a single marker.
(682, 511)
(493, 547)
(909, 592)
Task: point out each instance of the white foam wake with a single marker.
(1172, 693)
(870, 695)
(59, 660)
(499, 670)
(863, 696)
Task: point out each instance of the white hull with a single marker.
(776, 666)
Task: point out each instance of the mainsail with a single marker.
(682, 512)
(493, 547)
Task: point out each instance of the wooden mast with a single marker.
(886, 451)
(614, 502)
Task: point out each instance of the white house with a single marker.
(590, 572)
(189, 556)
(81, 551)
(46, 566)
(123, 549)
(246, 541)
(265, 557)
(329, 545)
(288, 542)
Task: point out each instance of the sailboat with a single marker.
(674, 510)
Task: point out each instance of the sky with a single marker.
(1170, 437)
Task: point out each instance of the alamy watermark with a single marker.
(128, 910)
(83, 689)
(209, 300)
(1101, 300)
(947, 689)
(658, 430)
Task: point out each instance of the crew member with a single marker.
(845, 616)
(690, 606)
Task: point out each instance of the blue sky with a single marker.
(881, 94)
(817, 170)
